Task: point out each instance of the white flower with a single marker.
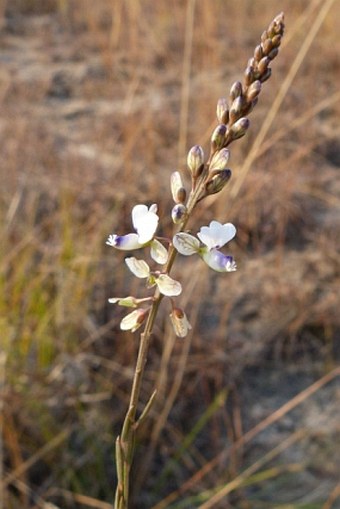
(214, 236)
(134, 320)
(145, 222)
(180, 322)
(167, 286)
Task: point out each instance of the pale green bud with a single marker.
(220, 160)
(218, 137)
(195, 160)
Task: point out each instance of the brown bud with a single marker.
(273, 53)
(236, 108)
(258, 53)
(248, 76)
(266, 75)
(267, 45)
(236, 90)
(217, 182)
(276, 40)
(254, 90)
(263, 64)
(239, 129)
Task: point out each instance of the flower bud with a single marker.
(177, 189)
(236, 90)
(254, 90)
(222, 111)
(180, 322)
(263, 64)
(178, 213)
(195, 160)
(249, 75)
(134, 320)
(258, 53)
(239, 129)
(266, 75)
(236, 108)
(220, 160)
(218, 137)
(273, 53)
(217, 182)
(276, 40)
(267, 46)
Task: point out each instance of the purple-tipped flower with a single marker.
(214, 236)
(145, 222)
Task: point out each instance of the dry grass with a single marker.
(95, 106)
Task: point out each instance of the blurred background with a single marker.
(100, 102)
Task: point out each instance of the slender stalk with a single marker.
(125, 443)
(207, 178)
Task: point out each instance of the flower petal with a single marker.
(216, 234)
(133, 320)
(158, 252)
(130, 302)
(218, 261)
(138, 267)
(124, 242)
(168, 286)
(145, 222)
(186, 244)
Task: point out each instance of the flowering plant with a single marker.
(208, 176)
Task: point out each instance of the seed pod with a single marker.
(218, 137)
(195, 160)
